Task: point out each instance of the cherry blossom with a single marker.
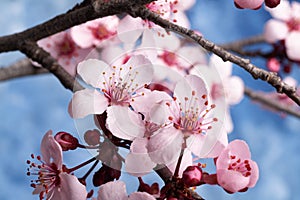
(235, 169)
(52, 181)
(178, 8)
(62, 47)
(114, 86)
(98, 32)
(117, 191)
(285, 26)
(190, 114)
(225, 89)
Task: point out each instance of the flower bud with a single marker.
(272, 3)
(273, 65)
(92, 137)
(66, 141)
(192, 176)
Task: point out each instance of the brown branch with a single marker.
(271, 103)
(62, 22)
(20, 68)
(36, 53)
(256, 72)
(239, 44)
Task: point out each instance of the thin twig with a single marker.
(256, 72)
(258, 39)
(271, 103)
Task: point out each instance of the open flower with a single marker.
(96, 32)
(62, 47)
(52, 181)
(235, 169)
(117, 191)
(285, 26)
(114, 86)
(224, 89)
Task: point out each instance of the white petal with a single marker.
(82, 36)
(187, 160)
(86, 102)
(275, 30)
(124, 123)
(130, 29)
(70, 188)
(168, 42)
(165, 146)
(235, 91)
(219, 146)
(292, 44)
(91, 71)
(140, 195)
(113, 191)
(282, 11)
(224, 68)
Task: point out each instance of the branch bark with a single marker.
(255, 71)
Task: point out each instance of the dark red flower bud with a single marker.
(272, 3)
(66, 141)
(92, 137)
(192, 176)
(105, 174)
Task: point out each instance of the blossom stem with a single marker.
(176, 173)
(81, 165)
(88, 147)
(90, 170)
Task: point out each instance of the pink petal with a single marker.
(82, 36)
(141, 195)
(195, 144)
(182, 19)
(51, 150)
(292, 44)
(185, 5)
(275, 30)
(130, 29)
(139, 155)
(188, 85)
(240, 149)
(250, 4)
(164, 147)
(190, 55)
(168, 42)
(232, 181)
(282, 11)
(91, 71)
(219, 146)
(70, 188)
(224, 68)
(187, 160)
(147, 45)
(113, 191)
(124, 123)
(86, 102)
(295, 6)
(235, 91)
(113, 55)
(254, 174)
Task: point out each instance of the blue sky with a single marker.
(32, 105)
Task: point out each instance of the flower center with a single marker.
(237, 164)
(120, 89)
(48, 175)
(66, 47)
(169, 58)
(294, 24)
(101, 32)
(192, 119)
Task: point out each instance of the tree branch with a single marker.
(271, 103)
(62, 22)
(256, 72)
(20, 68)
(239, 44)
(36, 53)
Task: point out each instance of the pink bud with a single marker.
(192, 176)
(66, 141)
(273, 65)
(250, 4)
(92, 137)
(272, 3)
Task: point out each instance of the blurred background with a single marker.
(30, 106)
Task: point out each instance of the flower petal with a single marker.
(234, 89)
(130, 29)
(113, 191)
(69, 188)
(91, 71)
(86, 102)
(124, 123)
(187, 160)
(82, 36)
(51, 150)
(282, 11)
(292, 44)
(141, 195)
(231, 180)
(275, 30)
(254, 174)
(219, 146)
(240, 149)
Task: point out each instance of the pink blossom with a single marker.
(117, 191)
(62, 47)
(178, 8)
(192, 176)
(285, 26)
(98, 32)
(235, 169)
(118, 85)
(273, 65)
(250, 4)
(52, 181)
(225, 89)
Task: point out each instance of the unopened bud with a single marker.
(273, 65)
(66, 141)
(192, 176)
(92, 137)
(272, 3)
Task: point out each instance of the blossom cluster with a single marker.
(153, 95)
